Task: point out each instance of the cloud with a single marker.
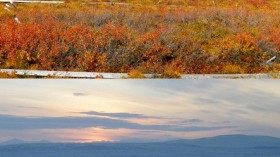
(117, 115)
(187, 122)
(8, 122)
(79, 94)
(29, 107)
(194, 120)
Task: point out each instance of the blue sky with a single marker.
(136, 110)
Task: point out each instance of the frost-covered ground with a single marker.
(132, 150)
(236, 147)
(70, 74)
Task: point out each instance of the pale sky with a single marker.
(76, 110)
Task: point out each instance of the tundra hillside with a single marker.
(168, 37)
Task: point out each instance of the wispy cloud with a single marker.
(184, 107)
(117, 115)
(8, 122)
(29, 107)
(194, 120)
(79, 94)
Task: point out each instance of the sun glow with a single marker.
(91, 134)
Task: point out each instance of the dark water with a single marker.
(133, 150)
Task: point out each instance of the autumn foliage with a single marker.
(166, 37)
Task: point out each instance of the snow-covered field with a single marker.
(132, 150)
(235, 147)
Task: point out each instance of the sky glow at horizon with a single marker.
(136, 110)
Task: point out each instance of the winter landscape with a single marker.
(137, 118)
(221, 146)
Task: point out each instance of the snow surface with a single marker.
(258, 147)
(72, 74)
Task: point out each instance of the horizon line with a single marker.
(20, 141)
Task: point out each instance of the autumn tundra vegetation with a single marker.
(169, 37)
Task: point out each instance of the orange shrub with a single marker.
(156, 39)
